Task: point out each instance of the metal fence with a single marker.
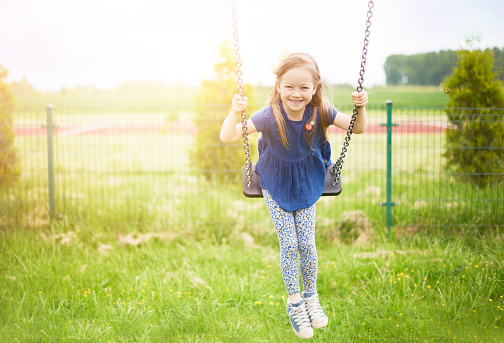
(133, 167)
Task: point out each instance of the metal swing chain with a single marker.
(239, 81)
(338, 165)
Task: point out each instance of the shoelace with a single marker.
(313, 307)
(300, 317)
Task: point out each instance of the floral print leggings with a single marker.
(296, 236)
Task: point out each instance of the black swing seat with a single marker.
(256, 192)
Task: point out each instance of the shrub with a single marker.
(9, 163)
(219, 162)
(475, 139)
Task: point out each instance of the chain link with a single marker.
(338, 165)
(239, 81)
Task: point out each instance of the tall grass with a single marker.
(65, 283)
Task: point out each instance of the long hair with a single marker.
(319, 100)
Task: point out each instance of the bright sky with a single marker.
(57, 43)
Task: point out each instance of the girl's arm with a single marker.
(231, 131)
(342, 120)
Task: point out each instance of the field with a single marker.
(403, 96)
(143, 250)
(68, 284)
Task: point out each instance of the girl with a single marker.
(293, 155)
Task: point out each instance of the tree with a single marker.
(9, 162)
(476, 101)
(419, 69)
(214, 102)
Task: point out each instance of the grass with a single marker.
(402, 96)
(145, 251)
(66, 284)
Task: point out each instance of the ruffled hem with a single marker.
(292, 184)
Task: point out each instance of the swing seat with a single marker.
(256, 192)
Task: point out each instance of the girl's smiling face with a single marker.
(296, 89)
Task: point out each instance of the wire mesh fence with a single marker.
(138, 168)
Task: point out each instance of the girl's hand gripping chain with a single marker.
(360, 99)
(239, 104)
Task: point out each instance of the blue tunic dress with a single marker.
(294, 177)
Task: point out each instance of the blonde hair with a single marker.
(319, 100)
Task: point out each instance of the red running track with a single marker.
(187, 128)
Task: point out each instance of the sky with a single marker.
(101, 43)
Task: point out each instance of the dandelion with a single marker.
(490, 300)
(271, 303)
(476, 266)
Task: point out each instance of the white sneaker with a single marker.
(317, 316)
(299, 319)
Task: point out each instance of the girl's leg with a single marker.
(305, 229)
(286, 230)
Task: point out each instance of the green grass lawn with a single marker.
(68, 284)
(402, 96)
(147, 252)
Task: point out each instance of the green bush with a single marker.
(476, 147)
(476, 100)
(9, 163)
(214, 159)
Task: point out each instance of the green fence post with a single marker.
(389, 204)
(50, 159)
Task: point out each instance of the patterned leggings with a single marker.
(296, 234)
